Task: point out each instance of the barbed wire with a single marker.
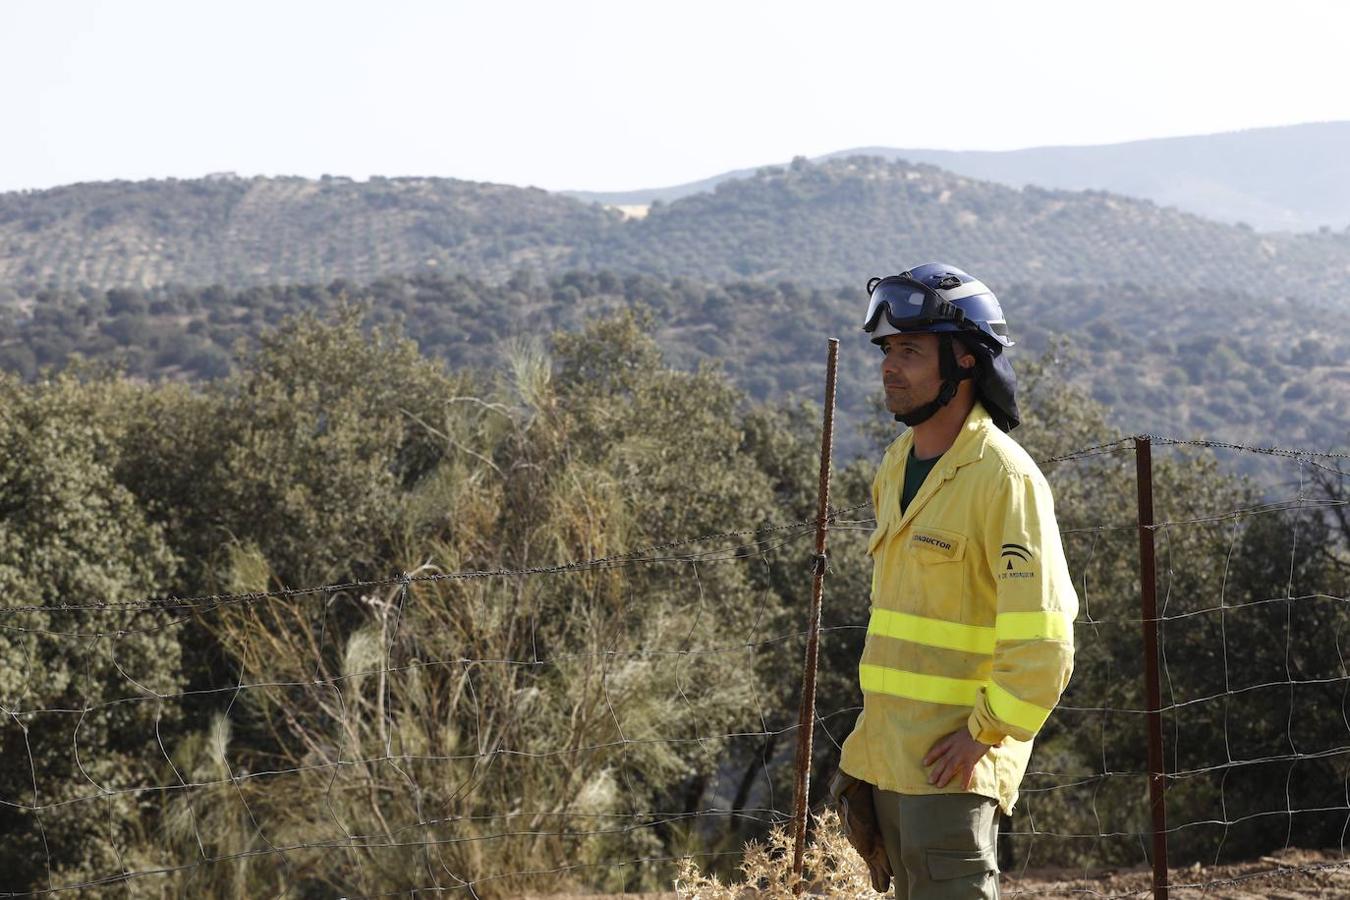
(1212, 444)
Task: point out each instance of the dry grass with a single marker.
(832, 869)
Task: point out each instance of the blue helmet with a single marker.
(934, 298)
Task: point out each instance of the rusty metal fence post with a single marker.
(1148, 591)
(806, 713)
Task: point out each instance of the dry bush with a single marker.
(512, 733)
(831, 868)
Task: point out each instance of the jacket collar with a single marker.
(968, 447)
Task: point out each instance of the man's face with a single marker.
(909, 370)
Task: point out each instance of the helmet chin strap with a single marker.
(952, 376)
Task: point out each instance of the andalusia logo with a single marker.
(1013, 552)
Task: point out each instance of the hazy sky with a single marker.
(614, 95)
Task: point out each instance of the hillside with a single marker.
(267, 230)
(1184, 378)
(1180, 324)
(818, 224)
(1289, 178)
(828, 223)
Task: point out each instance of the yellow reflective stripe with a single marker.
(932, 632)
(1031, 626)
(1015, 711)
(913, 686)
(1018, 626)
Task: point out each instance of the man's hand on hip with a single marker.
(955, 756)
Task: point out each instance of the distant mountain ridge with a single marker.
(824, 224)
(1287, 178)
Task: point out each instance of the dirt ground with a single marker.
(1285, 875)
(1288, 875)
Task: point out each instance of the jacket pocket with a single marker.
(935, 578)
(945, 865)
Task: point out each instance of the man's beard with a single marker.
(903, 401)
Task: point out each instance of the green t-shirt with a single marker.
(916, 470)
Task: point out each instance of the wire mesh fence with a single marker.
(589, 725)
(1251, 618)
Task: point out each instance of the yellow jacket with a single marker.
(972, 615)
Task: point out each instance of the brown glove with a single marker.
(857, 813)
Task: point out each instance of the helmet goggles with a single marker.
(910, 305)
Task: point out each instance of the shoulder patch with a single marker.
(1018, 562)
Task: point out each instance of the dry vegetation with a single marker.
(832, 869)
(1289, 874)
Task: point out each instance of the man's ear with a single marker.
(964, 358)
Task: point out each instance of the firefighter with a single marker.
(970, 640)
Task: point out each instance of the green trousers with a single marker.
(941, 846)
